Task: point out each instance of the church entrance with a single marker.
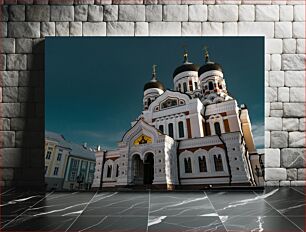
(137, 170)
(148, 169)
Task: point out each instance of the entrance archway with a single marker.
(137, 170)
(148, 169)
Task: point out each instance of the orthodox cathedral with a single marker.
(192, 137)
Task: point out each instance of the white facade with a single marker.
(192, 137)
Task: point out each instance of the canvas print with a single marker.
(160, 113)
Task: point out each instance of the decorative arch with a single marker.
(200, 157)
(108, 169)
(219, 153)
(186, 160)
(213, 119)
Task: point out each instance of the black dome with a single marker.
(154, 84)
(210, 66)
(185, 67)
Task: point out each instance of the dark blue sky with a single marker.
(94, 85)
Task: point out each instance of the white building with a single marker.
(193, 136)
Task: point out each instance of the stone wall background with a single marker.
(25, 23)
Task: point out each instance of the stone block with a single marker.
(267, 109)
(4, 15)
(286, 13)
(298, 30)
(212, 28)
(2, 62)
(290, 124)
(297, 94)
(256, 28)
(61, 13)
(120, 28)
(267, 61)
(18, 124)
(299, 13)
(12, 157)
(175, 13)
(301, 174)
(272, 183)
(230, 28)
(272, 123)
(267, 13)
(197, 13)
(191, 29)
(302, 124)
(84, 2)
(283, 30)
(246, 13)
(103, 2)
(273, 174)
(276, 106)
(80, 12)
(267, 139)
(5, 124)
(284, 183)
(3, 29)
(272, 158)
(296, 139)
(283, 94)
(274, 46)
(24, 45)
(75, 29)
(8, 139)
(141, 29)
(131, 13)
(277, 78)
(292, 174)
(17, 13)
(110, 13)
(16, 62)
(276, 113)
(38, 13)
(279, 139)
(94, 29)
(62, 28)
(9, 78)
(128, 2)
(95, 13)
(294, 110)
(276, 62)
(24, 29)
(47, 29)
(293, 61)
(271, 94)
(8, 45)
(222, 13)
(295, 78)
(154, 13)
(289, 45)
(297, 183)
(165, 28)
(9, 94)
(11, 109)
(300, 46)
(293, 157)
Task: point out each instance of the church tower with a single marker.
(212, 82)
(185, 77)
(152, 90)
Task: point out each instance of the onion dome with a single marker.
(186, 66)
(154, 83)
(209, 65)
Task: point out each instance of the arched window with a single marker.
(170, 129)
(190, 85)
(218, 163)
(202, 164)
(187, 165)
(210, 85)
(161, 128)
(181, 129)
(117, 170)
(185, 87)
(217, 128)
(149, 101)
(179, 87)
(109, 171)
(196, 85)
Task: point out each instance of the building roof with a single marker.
(76, 149)
(185, 67)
